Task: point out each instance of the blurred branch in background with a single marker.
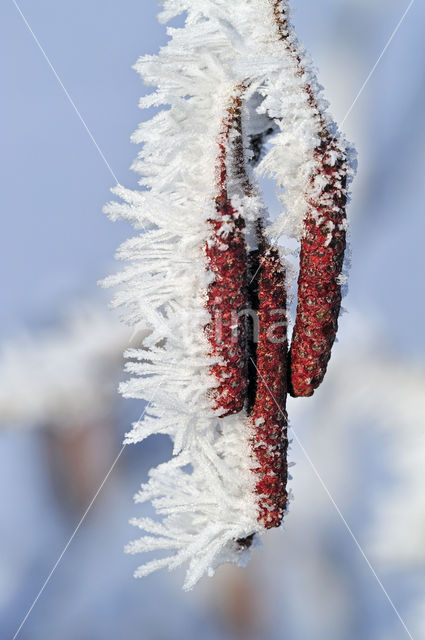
(63, 380)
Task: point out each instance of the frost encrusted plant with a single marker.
(207, 276)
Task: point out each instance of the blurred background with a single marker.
(62, 420)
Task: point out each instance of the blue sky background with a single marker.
(56, 244)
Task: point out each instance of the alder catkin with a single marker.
(322, 246)
(319, 284)
(226, 297)
(268, 416)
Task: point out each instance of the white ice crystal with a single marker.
(205, 494)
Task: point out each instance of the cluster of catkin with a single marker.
(252, 369)
(256, 369)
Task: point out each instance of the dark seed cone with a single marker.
(226, 297)
(268, 415)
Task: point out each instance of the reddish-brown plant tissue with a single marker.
(322, 250)
(268, 415)
(319, 288)
(226, 296)
(252, 373)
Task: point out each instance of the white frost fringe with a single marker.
(205, 494)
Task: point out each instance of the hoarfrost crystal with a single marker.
(233, 78)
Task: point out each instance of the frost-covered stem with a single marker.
(226, 253)
(322, 246)
(268, 415)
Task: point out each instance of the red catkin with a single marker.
(319, 289)
(226, 296)
(268, 415)
(252, 373)
(322, 250)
